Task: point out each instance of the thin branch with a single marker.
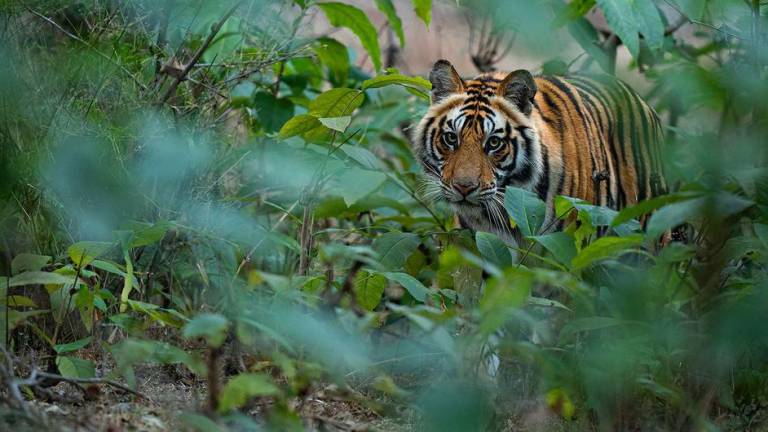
(111, 383)
(199, 53)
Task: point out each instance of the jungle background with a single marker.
(211, 219)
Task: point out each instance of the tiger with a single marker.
(582, 136)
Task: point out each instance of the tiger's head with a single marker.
(477, 137)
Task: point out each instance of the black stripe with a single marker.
(542, 187)
(525, 173)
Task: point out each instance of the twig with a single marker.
(199, 53)
(111, 383)
(91, 47)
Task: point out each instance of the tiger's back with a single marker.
(592, 138)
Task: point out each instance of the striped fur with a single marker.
(592, 138)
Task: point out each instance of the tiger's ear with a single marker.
(519, 88)
(445, 81)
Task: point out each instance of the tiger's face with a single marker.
(477, 138)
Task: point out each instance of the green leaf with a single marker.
(649, 22)
(388, 9)
(693, 9)
(588, 324)
(298, 125)
(344, 15)
(493, 249)
(410, 283)
(40, 278)
(417, 83)
(211, 327)
(82, 253)
(333, 54)
(244, 387)
(644, 207)
(75, 368)
(368, 288)
(354, 184)
(145, 234)
(28, 262)
(560, 244)
(338, 102)
(16, 300)
(673, 215)
(423, 10)
(394, 248)
(621, 18)
(272, 112)
(72, 346)
(525, 208)
(339, 124)
(605, 247)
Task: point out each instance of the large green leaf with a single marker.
(299, 125)
(493, 249)
(333, 54)
(415, 82)
(525, 208)
(589, 324)
(621, 17)
(72, 346)
(388, 9)
(368, 288)
(394, 248)
(28, 262)
(344, 15)
(82, 253)
(75, 367)
(410, 283)
(560, 244)
(243, 387)
(649, 22)
(605, 247)
(338, 102)
(40, 278)
(353, 184)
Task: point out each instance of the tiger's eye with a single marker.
(494, 142)
(450, 139)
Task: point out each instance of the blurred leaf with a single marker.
(75, 367)
(72, 346)
(417, 290)
(334, 55)
(693, 9)
(368, 288)
(211, 327)
(604, 247)
(82, 253)
(394, 248)
(649, 22)
(243, 387)
(559, 402)
(16, 300)
(560, 244)
(525, 208)
(621, 17)
(353, 184)
(587, 37)
(493, 249)
(423, 10)
(28, 262)
(40, 278)
(588, 324)
(644, 207)
(339, 124)
(148, 234)
(344, 15)
(388, 9)
(272, 112)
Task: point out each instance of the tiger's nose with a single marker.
(464, 186)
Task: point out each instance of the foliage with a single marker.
(265, 203)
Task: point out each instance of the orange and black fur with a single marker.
(592, 138)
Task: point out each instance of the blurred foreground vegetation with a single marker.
(211, 186)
